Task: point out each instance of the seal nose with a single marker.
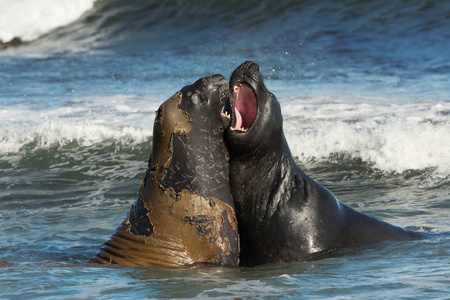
(218, 78)
(252, 66)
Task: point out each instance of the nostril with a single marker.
(251, 65)
(217, 78)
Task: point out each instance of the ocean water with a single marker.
(364, 90)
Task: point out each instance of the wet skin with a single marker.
(283, 214)
(184, 214)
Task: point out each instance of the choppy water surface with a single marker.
(363, 87)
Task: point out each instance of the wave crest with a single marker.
(30, 19)
(378, 135)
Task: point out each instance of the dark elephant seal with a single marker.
(184, 214)
(283, 214)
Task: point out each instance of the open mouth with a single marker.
(245, 107)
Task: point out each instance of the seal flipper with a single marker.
(361, 229)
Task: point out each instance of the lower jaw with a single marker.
(239, 130)
(243, 130)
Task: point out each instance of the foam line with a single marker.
(29, 19)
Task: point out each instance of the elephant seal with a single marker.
(184, 214)
(283, 214)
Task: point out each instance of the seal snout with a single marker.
(217, 79)
(252, 66)
(243, 99)
(219, 82)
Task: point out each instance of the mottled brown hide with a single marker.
(166, 227)
(170, 119)
(187, 229)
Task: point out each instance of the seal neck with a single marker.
(269, 172)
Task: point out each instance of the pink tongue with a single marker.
(245, 107)
(238, 120)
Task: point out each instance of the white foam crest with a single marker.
(394, 138)
(29, 19)
(391, 137)
(59, 133)
(119, 119)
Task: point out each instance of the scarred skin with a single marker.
(283, 214)
(184, 214)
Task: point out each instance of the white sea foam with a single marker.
(29, 19)
(391, 137)
(84, 122)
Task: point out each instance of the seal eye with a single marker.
(197, 98)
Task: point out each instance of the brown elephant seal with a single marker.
(184, 214)
(283, 214)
